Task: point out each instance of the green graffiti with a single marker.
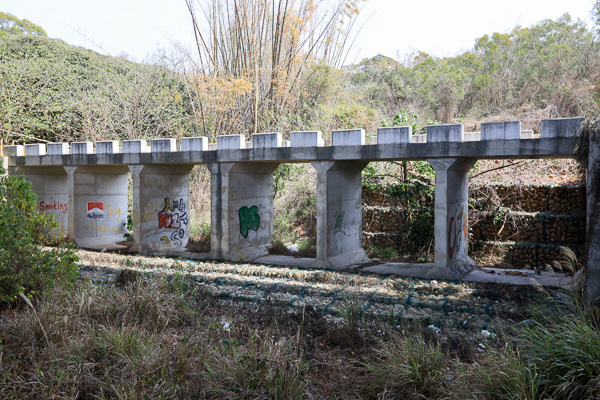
(249, 219)
(339, 223)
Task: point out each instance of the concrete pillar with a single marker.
(50, 184)
(161, 204)
(451, 217)
(339, 213)
(98, 204)
(241, 209)
(592, 269)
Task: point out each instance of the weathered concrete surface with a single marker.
(160, 207)
(451, 217)
(241, 209)
(50, 185)
(559, 147)
(339, 213)
(98, 204)
(592, 285)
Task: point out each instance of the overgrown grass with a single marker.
(159, 337)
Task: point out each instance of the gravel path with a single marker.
(453, 305)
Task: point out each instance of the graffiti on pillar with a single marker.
(340, 226)
(95, 210)
(249, 220)
(59, 209)
(457, 231)
(173, 216)
(101, 215)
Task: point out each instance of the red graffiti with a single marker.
(166, 220)
(454, 234)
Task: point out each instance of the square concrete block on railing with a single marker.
(231, 142)
(194, 143)
(107, 147)
(135, 146)
(502, 130)
(163, 145)
(82, 148)
(16, 150)
(472, 137)
(348, 137)
(306, 139)
(266, 140)
(394, 135)
(57, 149)
(527, 134)
(560, 127)
(445, 133)
(37, 149)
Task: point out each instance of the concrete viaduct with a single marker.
(86, 187)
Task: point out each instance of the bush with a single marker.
(24, 266)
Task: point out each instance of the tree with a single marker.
(9, 24)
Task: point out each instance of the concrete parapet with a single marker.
(163, 145)
(445, 133)
(306, 139)
(527, 134)
(37, 149)
(135, 146)
(266, 140)
(560, 127)
(396, 134)
(348, 137)
(82, 148)
(108, 147)
(194, 144)
(231, 142)
(13, 151)
(57, 149)
(418, 138)
(504, 130)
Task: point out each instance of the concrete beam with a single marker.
(241, 210)
(339, 213)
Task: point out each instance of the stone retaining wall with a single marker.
(525, 224)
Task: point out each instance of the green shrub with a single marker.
(24, 266)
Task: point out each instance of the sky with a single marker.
(390, 27)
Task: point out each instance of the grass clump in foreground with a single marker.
(167, 338)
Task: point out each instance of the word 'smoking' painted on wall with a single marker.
(249, 220)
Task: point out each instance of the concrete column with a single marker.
(339, 213)
(241, 210)
(592, 269)
(98, 204)
(161, 204)
(50, 184)
(451, 217)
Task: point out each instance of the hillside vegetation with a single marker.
(57, 92)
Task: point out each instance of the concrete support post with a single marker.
(50, 184)
(339, 213)
(241, 210)
(98, 204)
(592, 269)
(161, 204)
(451, 217)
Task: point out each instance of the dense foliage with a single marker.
(24, 266)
